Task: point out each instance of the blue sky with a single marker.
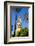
(21, 13)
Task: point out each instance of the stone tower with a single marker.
(18, 25)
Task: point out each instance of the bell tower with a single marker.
(18, 25)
